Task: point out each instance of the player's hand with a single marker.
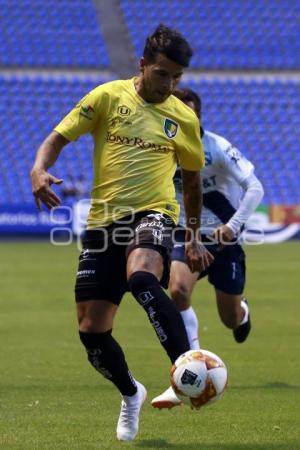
(198, 257)
(41, 182)
(222, 235)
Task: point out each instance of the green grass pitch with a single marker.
(50, 397)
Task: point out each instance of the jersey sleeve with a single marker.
(84, 117)
(235, 163)
(190, 150)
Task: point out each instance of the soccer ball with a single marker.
(198, 377)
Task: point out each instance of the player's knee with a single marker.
(90, 325)
(140, 280)
(180, 295)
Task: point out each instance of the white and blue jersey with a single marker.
(231, 192)
(222, 178)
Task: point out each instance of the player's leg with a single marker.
(234, 313)
(145, 270)
(97, 301)
(182, 283)
(107, 357)
(228, 277)
(104, 353)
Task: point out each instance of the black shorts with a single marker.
(102, 263)
(228, 271)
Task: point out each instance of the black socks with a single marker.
(162, 313)
(105, 354)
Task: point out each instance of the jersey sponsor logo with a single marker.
(136, 141)
(124, 110)
(87, 112)
(170, 128)
(233, 154)
(115, 121)
(209, 181)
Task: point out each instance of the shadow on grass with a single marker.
(274, 385)
(163, 444)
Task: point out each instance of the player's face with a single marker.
(159, 79)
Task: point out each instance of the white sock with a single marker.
(191, 325)
(246, 313)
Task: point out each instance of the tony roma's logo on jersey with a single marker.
(135, 141)
(170, 128)
(87, 111)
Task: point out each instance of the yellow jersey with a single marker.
(137, 146)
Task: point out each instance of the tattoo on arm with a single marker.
(192, 196)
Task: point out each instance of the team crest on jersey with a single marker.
(170, 128)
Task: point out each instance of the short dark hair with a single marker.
(170, 43)
(188, 95)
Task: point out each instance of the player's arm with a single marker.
(46, 156)
(80, 120)
(198, 258)
(254, 192)
(241, 169)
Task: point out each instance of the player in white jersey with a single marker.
(231, 192)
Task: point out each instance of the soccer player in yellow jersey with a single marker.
(140, 132)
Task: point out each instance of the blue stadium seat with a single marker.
(51, 33)
(256, 116)
(224, 34)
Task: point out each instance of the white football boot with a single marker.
(167, 399)
(128, 423)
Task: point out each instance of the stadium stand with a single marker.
(234, 34)
(37, 106)
(260, 115)
(260, 118)
(50, 33)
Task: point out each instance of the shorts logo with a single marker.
(156, 216)
(85, 254)
(145, 297)
(85, 273)
(170, 128)
(124, 110)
